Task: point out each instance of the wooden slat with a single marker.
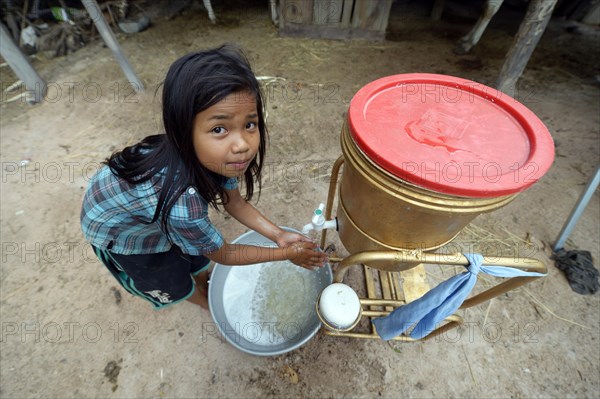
(385, 288)
(381, 22)
(295, 12)
(370, 291)
(307, 12)
(328, 12)
(347, 13)
(415, 283)
(371, 15)
(392, 287)
(397, 282)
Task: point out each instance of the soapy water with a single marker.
(270, 303)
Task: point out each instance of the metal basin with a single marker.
(232, 297)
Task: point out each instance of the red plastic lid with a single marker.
(450, 135)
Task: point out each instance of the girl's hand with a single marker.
(304, 254)
(287, 238)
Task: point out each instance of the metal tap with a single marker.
(318, 221)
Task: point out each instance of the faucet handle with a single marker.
(318, 218)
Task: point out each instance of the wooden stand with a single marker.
(395, 278)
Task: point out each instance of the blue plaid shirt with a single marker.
(114, 213)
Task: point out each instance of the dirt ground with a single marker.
(69, 331)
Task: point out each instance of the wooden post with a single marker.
(20, 65)
(111, 42)
(529, 34)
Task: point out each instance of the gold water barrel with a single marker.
(425, 154)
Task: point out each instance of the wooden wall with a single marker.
(334, 19)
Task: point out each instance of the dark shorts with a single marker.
(163, 278)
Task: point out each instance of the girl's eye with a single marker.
(251, 125)
(218, 130)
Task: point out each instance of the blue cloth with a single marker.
(442, 301)
(113, 213)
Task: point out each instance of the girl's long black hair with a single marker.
(194, 83)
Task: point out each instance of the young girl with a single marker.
(146, 211)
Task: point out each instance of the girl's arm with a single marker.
(300, 253)
(249, 216)
(292, 246)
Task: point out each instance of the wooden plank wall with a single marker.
(334, 19)
(371, 15)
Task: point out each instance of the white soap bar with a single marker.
(339, 305)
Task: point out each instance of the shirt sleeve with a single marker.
(189, 226)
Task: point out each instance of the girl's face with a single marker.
(226, 136)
